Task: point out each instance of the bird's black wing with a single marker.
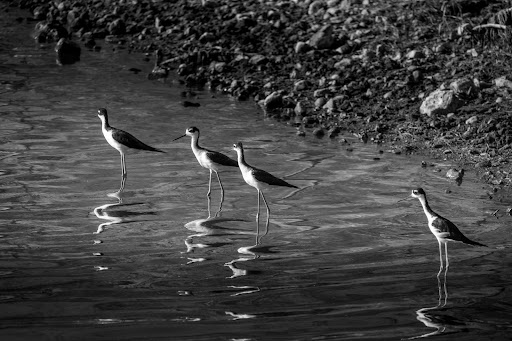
(451, 231)
(131, 141)
(266, 177)
(221, 159)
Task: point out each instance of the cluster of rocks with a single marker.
(405, 73)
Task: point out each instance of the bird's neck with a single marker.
(194, 143)
(241, 159)
(426, 208)
(104, 123)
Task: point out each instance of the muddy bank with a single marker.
(367, 68)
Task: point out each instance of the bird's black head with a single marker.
(102, 112)
(238, 146)
(418, 192)
(191, 131)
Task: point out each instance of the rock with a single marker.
(320, 102)
(321, 92)
(464, 87)
(273, 101)
(300, 85)
(117, 27)
(299, 109)
(503, 82)
(206, 37)
(318, 132)
(258, 59)
(440, 102)
(322, 39)
(415, 54)
(455, 174)
(68, 52)
(484, 164)
(472, 120)
(316, 7)
(443, 48)
(333, 132)
(302, 47)
(190, 104)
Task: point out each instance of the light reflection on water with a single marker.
(338, 259)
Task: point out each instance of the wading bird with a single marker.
(122, 141)
(208, 159)
(443, 229)
(257, 178)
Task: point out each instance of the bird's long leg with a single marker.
(258, 212)
(265, 201)
(123, 165)
(221, 188)
(209, 185)
(440, 259)
(446, 254)
(123, 172)
(123, 181)
(209, 208)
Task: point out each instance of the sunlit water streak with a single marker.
(339, 259)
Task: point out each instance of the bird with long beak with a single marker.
(209, 159)
(122, 141)
(444, 230)
(257, 178)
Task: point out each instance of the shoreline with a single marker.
(328, 67)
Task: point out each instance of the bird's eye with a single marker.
(415, 192)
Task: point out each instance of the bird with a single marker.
(208, 159)
(443, 229)
(122, 141)
(257, 178)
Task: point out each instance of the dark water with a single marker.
(339, 259)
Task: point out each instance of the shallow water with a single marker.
(339, 259)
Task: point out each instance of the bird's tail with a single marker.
(471, 242)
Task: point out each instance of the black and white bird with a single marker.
(444, 230)
(257, 178)
(209, 159)
(122, 141)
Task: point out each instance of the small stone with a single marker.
(415, 54)
(319, 132)
(472, 120)
(483, 164)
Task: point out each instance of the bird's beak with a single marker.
(179, 137)
(406, 198)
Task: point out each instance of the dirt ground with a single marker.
(329, 67)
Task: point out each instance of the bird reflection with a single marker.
(425, 315)
(205, 227)
(101, 211)
(436, 317)
(248, 253)
(116, 217)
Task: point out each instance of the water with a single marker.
(339, 259)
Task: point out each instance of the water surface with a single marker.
(339, 259)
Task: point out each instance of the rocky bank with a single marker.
(414, 76)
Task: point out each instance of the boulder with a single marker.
(323, 39)
(68, 52)
(440, 102)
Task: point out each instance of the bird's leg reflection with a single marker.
(247, 252)
(101, 212)
(425, 316)
(204, 227)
